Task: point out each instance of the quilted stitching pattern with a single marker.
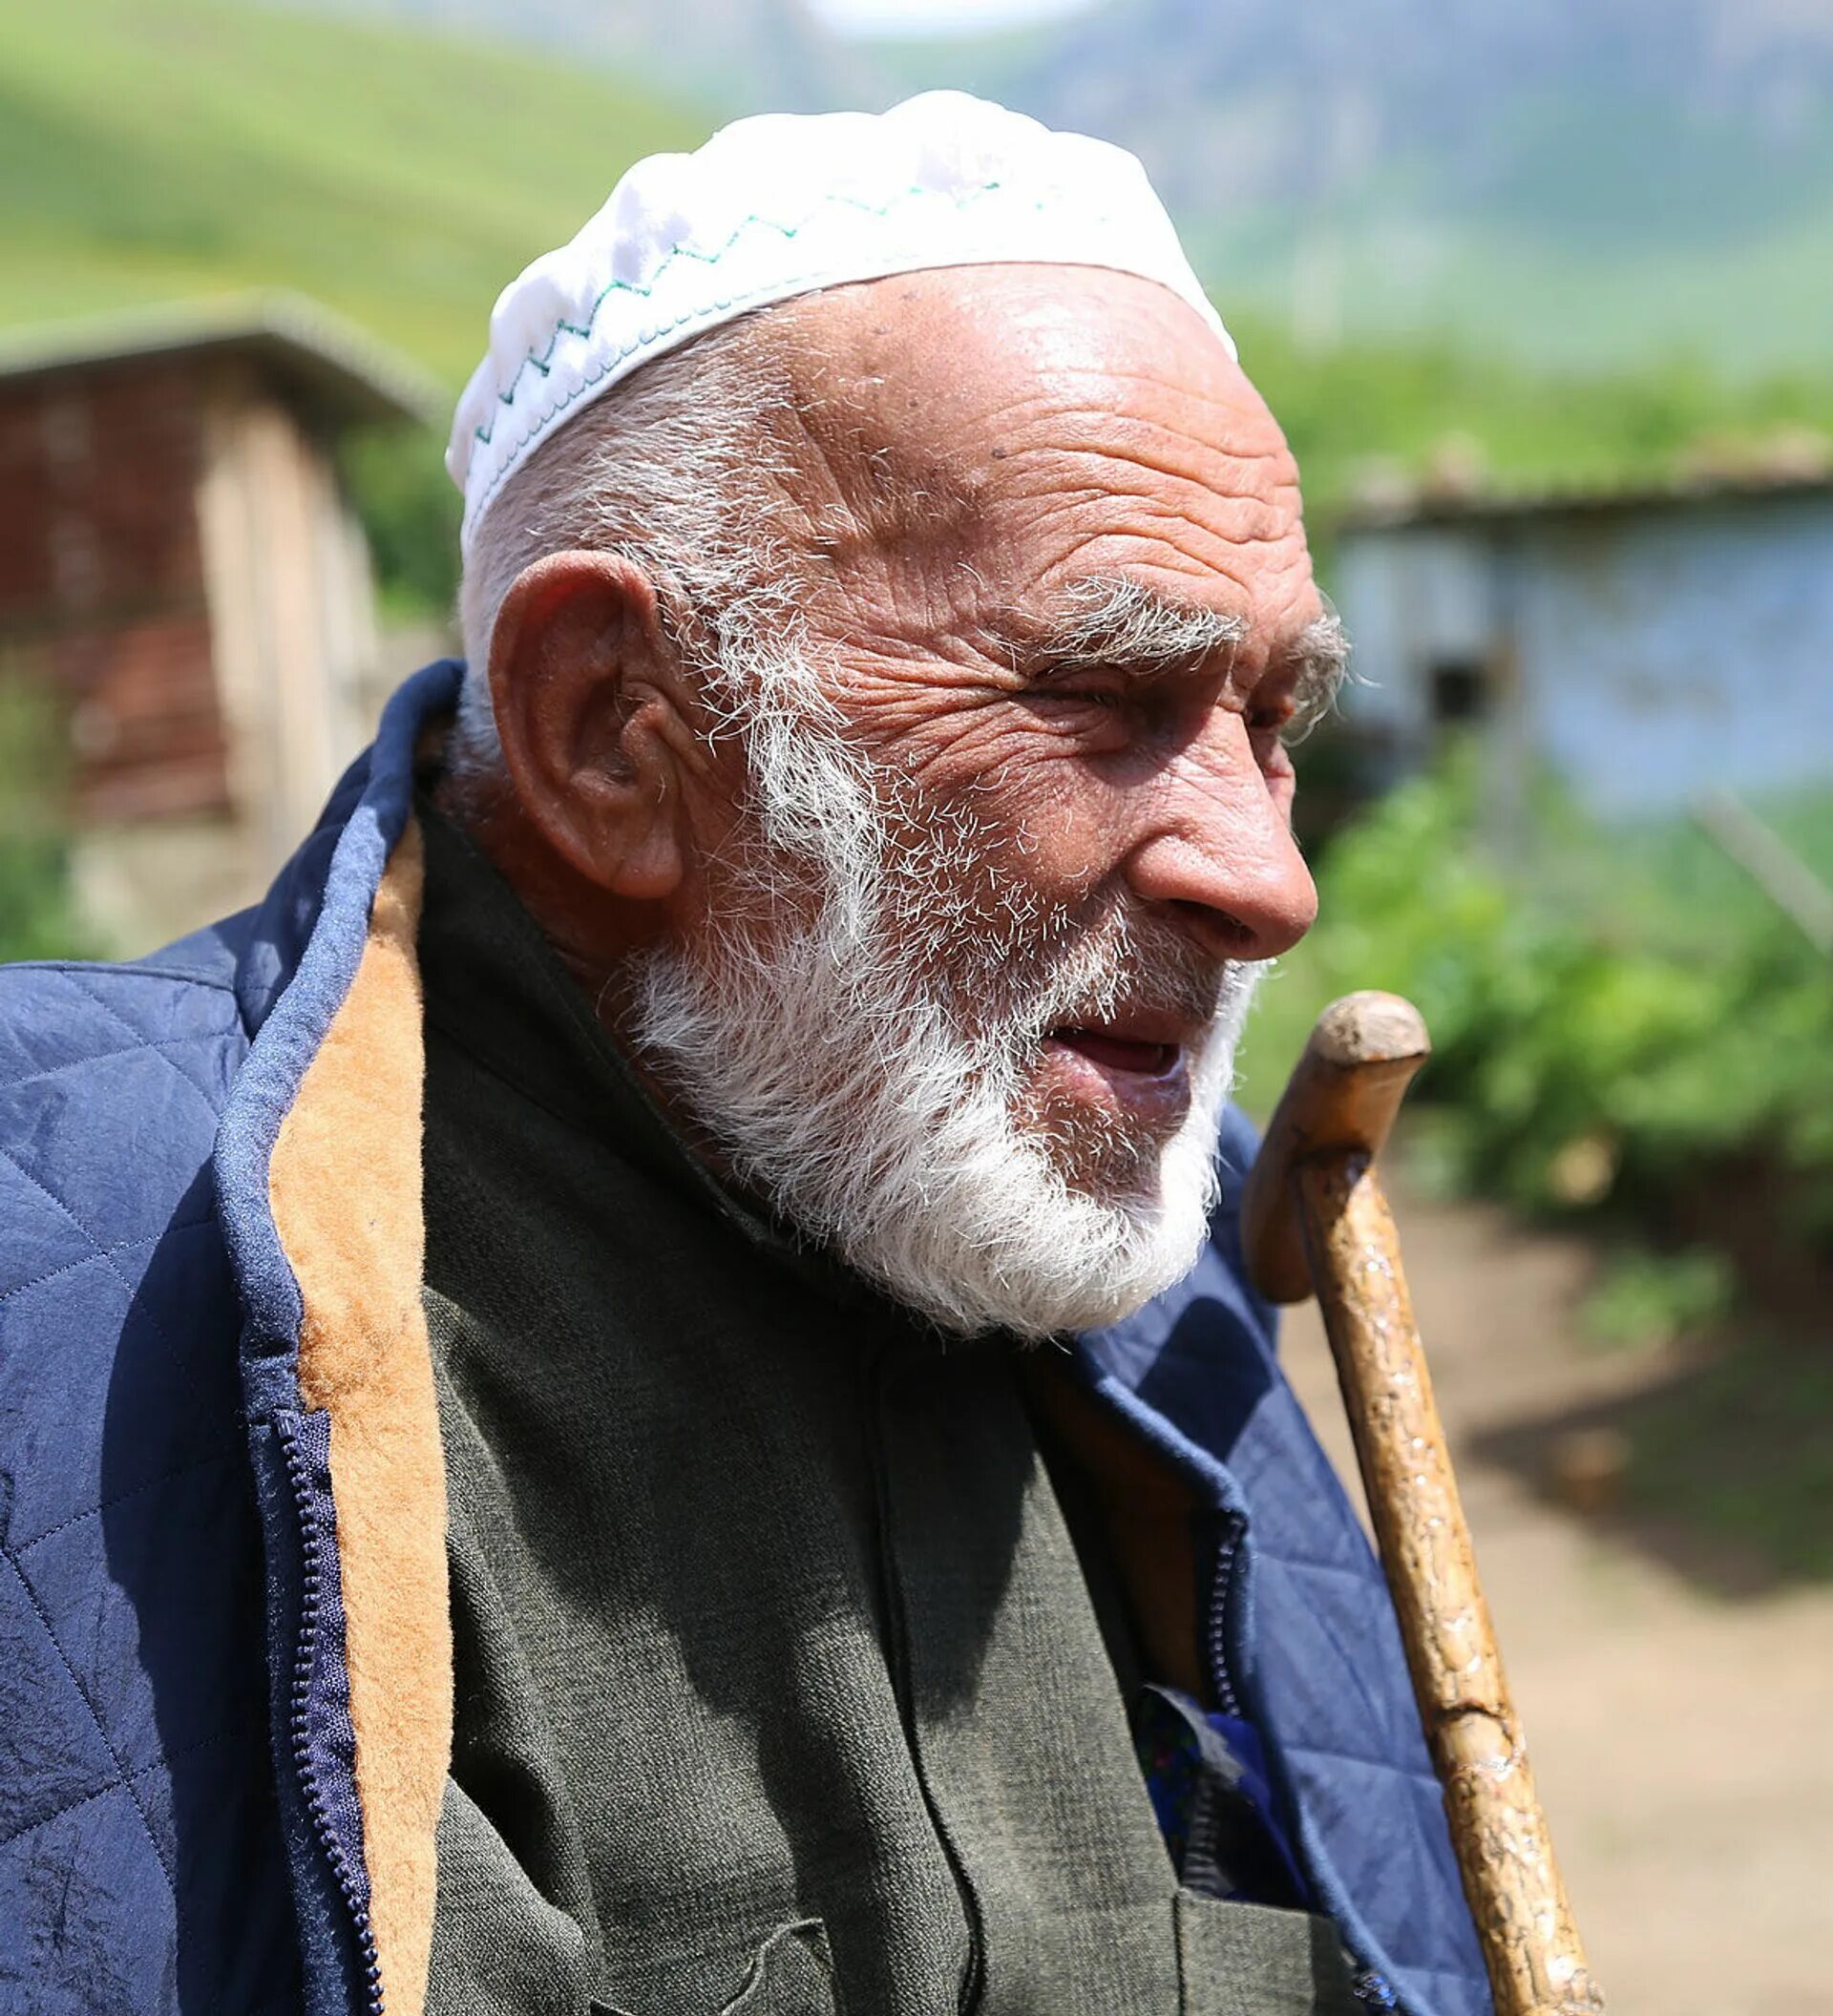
(139, 1868)
(1314, 1642)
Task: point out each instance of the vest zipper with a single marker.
(1369, 1988)
(298, 1723)
(1228, 1548)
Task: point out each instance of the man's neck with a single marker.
(596, 936)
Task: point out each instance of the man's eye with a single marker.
(1109, 698)
(1285, 719)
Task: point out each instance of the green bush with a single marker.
(37, 919)
(410, 510)
(1642, 1302)
(1598, 1050)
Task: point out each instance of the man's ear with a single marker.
(590, 701)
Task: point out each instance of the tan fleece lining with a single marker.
(344, 1185)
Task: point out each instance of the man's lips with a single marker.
(1137, 1073)
(1139, 1056)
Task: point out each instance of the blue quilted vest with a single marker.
(224, 1687)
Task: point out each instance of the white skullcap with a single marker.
(780, 205)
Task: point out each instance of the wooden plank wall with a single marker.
(101, 581)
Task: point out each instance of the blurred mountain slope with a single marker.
(748, 56)
(153, 153)
(1589, 178)
(1581, 181)
(404, 170)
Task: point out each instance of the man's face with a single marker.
(1031, 764)
(1000, 459)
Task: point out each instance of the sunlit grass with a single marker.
(154, 153)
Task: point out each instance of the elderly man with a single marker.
(636, 1394)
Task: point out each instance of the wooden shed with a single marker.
(186, 586)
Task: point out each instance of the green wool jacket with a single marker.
(785, 1683)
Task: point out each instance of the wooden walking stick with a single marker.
(1315, 1220)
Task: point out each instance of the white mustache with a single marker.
(1120, 965)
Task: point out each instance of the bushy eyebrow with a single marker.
(1109, 621)
(1112, 622)
(1321, 659)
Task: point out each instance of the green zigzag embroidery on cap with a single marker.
(506, 395)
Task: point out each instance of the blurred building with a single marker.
(186, 586)
(1648, 648)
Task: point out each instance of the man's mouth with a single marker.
(1133, 1055)
(1136, 1074)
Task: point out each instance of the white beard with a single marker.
(863, 1064)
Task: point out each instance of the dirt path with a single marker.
(1680, 1739)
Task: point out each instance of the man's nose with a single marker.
(1222, 865)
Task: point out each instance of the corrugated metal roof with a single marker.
(1423, 504)
(331, 364)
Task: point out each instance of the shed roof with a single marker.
(340, 375)
(1380, 510)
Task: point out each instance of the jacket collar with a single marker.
(317, 1164)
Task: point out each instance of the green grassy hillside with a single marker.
(160, 149)
(1579, 183)
(159, 153)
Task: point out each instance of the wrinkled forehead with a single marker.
(1043, 423)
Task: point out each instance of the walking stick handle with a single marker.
(1315, 1220)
